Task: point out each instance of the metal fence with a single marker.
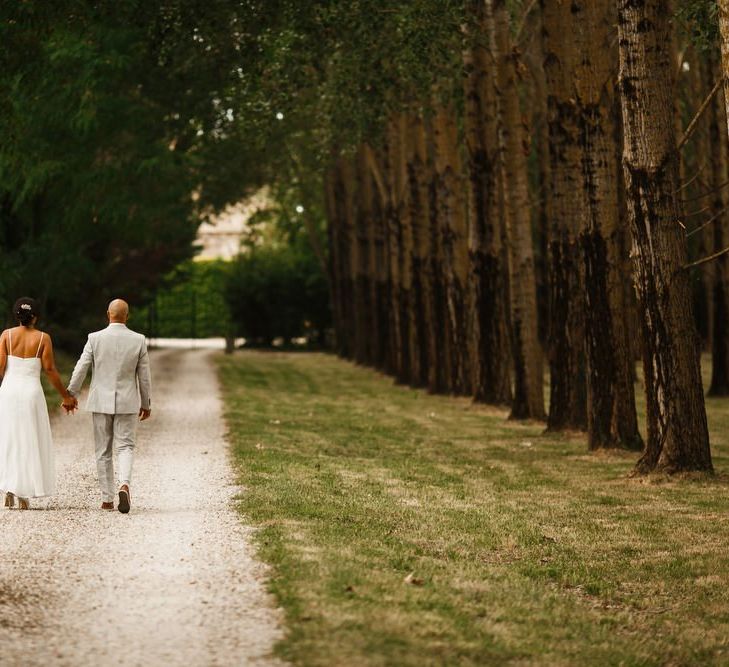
(192, 308)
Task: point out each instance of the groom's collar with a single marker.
(117, 324)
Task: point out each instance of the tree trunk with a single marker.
(348, 253)
(678, 436)
(719, 235)
(454, 239)
(624, 238)
(357, 228)
(421, 304)
(393, 356)
(612, 419)
(336, 280)
(400, 249)
(528, 397)
(439, 353)
(703, 77)
(533, 56)
(724, 30)
(407, 249)
(489, 355)
(366, 318)
(378, 261)
(567, 403)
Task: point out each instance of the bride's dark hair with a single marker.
(25, 309)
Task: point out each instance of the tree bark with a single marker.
(612, 419)
(528, 397)
(393, 356)
(400, 249)
(378, 261)
(439, 352)
(678, 436)
(568, 402)
(702, 79)
(454, 240)
(718, 235)
(345, 195)
(364, 279)
(335, 279)
(724, 31)
(489, 354)
(358, 261)
(421, 303)
(406, 210)
(533, 56)
(397, 225)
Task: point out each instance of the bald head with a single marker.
(118, 311)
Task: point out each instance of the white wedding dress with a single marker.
(27, 466)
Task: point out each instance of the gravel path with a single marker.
(172, 583)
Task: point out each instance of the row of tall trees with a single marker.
(436, 237)
(455, 220)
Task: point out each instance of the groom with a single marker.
(119, 395)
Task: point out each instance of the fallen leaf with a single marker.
(413, 580)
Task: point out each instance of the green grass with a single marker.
(408, 529)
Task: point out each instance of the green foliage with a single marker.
(112, 115)
(336, 70)
(699, 19)
(278, 291)
(191, 305)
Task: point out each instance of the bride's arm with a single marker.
(3, 353)
(48, 361)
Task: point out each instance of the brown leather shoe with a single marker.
(124, 499)
(107, 506)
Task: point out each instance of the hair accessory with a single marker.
(26, 306)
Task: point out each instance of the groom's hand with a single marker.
(144, 414)
(70, 403)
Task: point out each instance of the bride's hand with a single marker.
(70, 404)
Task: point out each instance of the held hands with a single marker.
(70, 404)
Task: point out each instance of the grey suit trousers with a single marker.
(110, 430)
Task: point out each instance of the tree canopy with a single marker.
(116, 140)
(124, 124)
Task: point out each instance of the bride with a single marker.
(27, 468)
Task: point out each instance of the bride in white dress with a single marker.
(27, 468)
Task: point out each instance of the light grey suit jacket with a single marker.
(120, 380)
